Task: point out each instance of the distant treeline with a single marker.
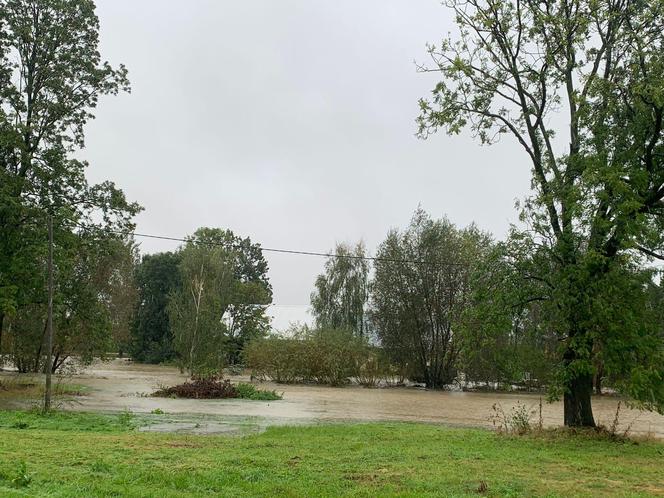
(437, 305)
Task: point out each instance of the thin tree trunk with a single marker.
(598, 380)
(39, 350)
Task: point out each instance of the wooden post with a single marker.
(49, 320)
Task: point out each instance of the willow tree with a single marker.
(578, 84)
(420, 292)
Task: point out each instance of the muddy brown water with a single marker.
(121, 384)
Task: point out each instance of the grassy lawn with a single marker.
(70, 454)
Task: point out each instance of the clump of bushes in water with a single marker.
(327, 356)
(214, 387)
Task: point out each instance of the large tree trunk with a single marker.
(577, 402)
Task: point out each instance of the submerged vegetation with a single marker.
(214, 387)
(323, 356)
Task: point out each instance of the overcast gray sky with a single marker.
(288, 121)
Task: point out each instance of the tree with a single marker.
(157, 277)
(505, 339)
(123, 294)
(51, 76)
(93, 303)
(221, 304)
(419, 293)
(341, 294)
(594, 71)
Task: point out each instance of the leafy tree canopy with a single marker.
(51, 77)
(592, 73)
(341, 293)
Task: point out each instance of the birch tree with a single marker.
(340, 298)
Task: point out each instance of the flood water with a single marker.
(121, 384)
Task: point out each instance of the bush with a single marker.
(208, 387)
(274, 358)
(213, 387)
(249, 391)
(374, 366)
(517, 421)
(126, 419)
(326, 356)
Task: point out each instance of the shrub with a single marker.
(126, 419)
(374, 366)
(275, 358)
(208, 387)
(213, 387)
(326, 356)
(249, 391)
(517, 421)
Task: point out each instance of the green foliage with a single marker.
(51, 77)
(93, 305)
(157, 277)
(420, 291)
(506, 339)
(325, 356)
(221, 302)
(517, 421)
(341, 293)
(250, 391)
(596, 215)
(126, 419)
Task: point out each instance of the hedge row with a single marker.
(333, 357)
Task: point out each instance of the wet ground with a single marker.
(121, 384)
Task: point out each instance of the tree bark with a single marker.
(577, 402)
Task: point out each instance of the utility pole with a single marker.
(49, 319)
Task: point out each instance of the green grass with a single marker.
(74, 454)
(61, 421)
(30, 386)
(250, 391)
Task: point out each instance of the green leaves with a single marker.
(222, 299)
(51, 77)
(593, 71)
(341, 293)
(420, 291)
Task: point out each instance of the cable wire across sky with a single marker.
(284, 251)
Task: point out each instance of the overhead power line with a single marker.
(282, 251)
